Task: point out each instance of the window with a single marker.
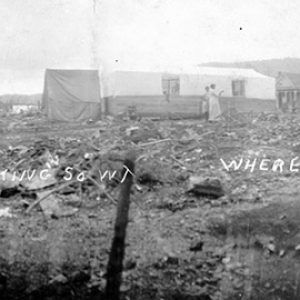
(238, 88)
(171, 85)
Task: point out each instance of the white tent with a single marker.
(179, 90)
(192, 81)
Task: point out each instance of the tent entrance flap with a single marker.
(72, 95)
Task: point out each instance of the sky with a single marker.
(138, 34)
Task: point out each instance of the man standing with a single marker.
(214, 104)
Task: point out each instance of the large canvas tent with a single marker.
(179, 91)
(71, 95)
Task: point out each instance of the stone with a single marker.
(206, 187)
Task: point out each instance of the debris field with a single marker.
(199, 228)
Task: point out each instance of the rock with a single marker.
(271, 247)
(267, 285)
(172, 260)
(226, 200)
(8, 181)
(258, 244)
(200, 282)
(110, 118)
(50, 206)
(215, 203)
(4, 213)
(264, 241)
(79, 277)
(73, 200)
(41, 179)
(207, 187)
(129, 131)
(144, 135)
(197, 246)
(148, 179)
(66, 212)
(282, 217)
(95, 281)
(59, 279)
(297, 248)
(53, 208)
(124, 288)
(129, 265)
(24, 204)
(226, 260)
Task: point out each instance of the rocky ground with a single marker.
(196, 231)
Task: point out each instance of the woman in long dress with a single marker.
(214, 104)
(205, 103)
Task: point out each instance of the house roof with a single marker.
(294, 78)
(231, 72)
(197, 70)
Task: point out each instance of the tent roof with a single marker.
(74, 85)
(210, 71)
(230, 72)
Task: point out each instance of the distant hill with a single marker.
(21, 99)
(269, 67)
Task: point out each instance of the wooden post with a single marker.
(115, 262)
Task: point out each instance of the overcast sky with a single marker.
(138, 34)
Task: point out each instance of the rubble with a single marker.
(4, 213)
(172, 239)
(197, 246)
(209, 187)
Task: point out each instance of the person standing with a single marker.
(214, 103)
(205, 103)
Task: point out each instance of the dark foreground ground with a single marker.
(180, 245)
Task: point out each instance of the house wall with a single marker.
(188, 106)
(195, 84)
(144, 91)
(248, 104)
(155, 105)
(289, 99)
(134, 84)
(288, 94)
(262, 88)
(123, 83)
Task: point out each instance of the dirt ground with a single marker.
(180, 245)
